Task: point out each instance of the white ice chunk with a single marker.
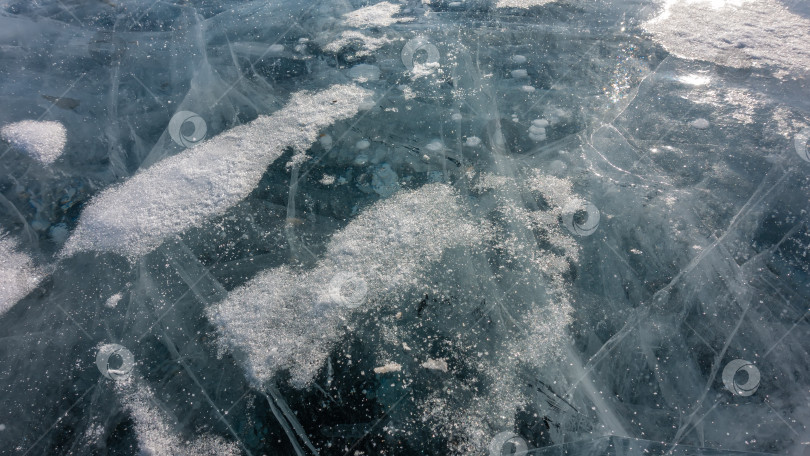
(187, 189)
(363, 144)
(42, 140)
(286, 319)
(18, 275)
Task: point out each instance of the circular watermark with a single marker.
(507, 443)
(347, 289)
(730, 372)
(110, 367)
(581, 217)
(178, 128)
(416, 45)
(800, 144)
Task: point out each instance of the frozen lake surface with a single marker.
(404, 227)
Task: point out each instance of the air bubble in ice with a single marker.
(364, 72)
(473, 141)
(435, 146)
(700, 124)
(519, 74)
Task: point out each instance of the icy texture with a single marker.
(574, 227)
(377, 15)
(184, 191)
(42, 140)
(18, 274)
(286, 319)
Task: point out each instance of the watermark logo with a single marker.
(581, 217)
(187, 128)
(800, 143)
(418, 45)
(507, 443)
(347, 289)
(730, 373)
(114, 361)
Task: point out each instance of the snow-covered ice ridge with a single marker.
(288, 319)
(42, 140)
(183, 191)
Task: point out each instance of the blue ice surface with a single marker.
(545, 230)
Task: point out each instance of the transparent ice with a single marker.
(404, 227)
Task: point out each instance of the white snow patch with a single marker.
(379, 15)
(154, 428)
(187, 189)
(525, 4)
(739, 34)
(18, 275)
(287, 319)
(42, 140)
(368, 44)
